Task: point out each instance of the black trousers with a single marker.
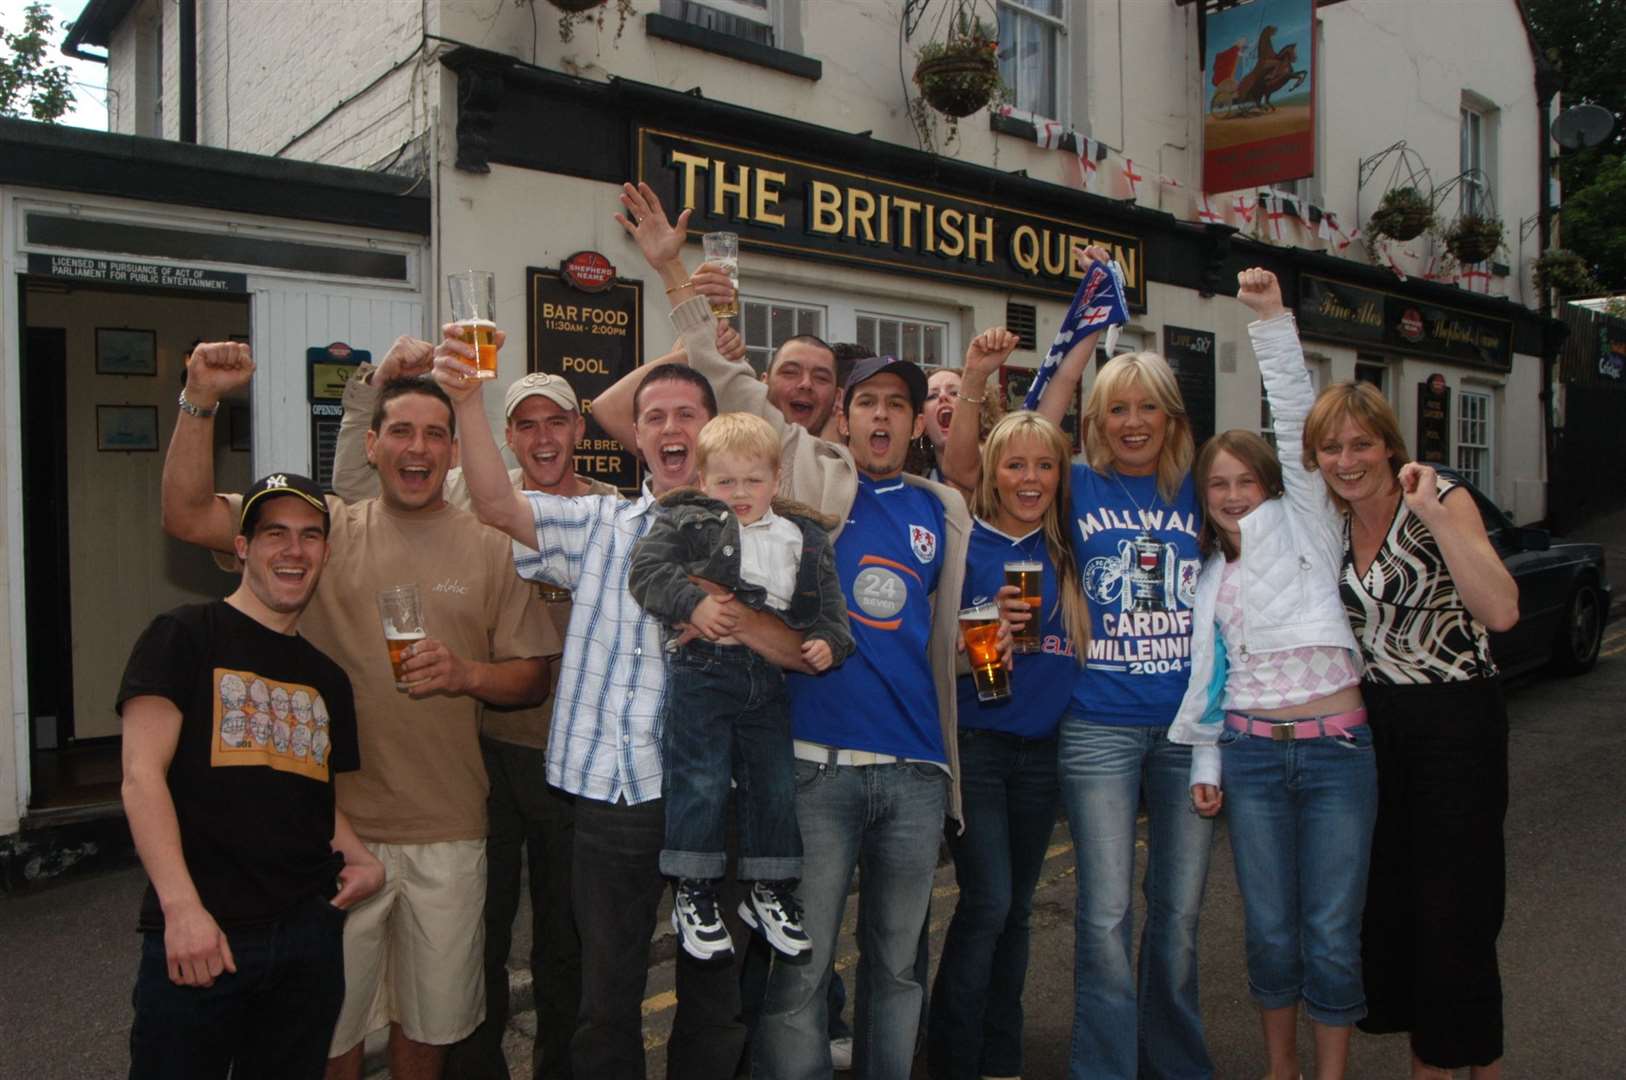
(1437, 886)
(531, 827)
(618, 887)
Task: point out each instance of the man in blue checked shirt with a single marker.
(605, 747)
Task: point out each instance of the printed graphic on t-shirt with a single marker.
(1143, 593)
(880, 593)
(281, 726)
(924, 543)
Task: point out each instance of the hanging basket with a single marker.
(1564, 270)
(576, 7)
(1473, 238)
(961, 80)
(1404, 214)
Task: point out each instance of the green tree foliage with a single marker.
(1583, 39)
(28, 81)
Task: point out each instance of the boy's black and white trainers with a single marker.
(773, 911)
(697, 922)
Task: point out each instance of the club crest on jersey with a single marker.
(924, 543)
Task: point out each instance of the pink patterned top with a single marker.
(1272, 680)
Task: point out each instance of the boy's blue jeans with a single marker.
(726, 718)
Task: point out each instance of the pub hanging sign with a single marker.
(791, 207)
(1332, 309)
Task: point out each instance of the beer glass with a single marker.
(980, 627)
(474, 310)
(723, 248)
(1028, 577)
(401, 610)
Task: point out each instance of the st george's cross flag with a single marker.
(1098, 304)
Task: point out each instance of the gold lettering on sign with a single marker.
(692, 165)
(768, 198)
(907, 209)
(722, 188)
(953, 244)
(860, 212)
(824, 207)
(979, 238)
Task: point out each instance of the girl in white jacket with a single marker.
(1300, 783)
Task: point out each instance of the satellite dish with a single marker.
(1580, 126)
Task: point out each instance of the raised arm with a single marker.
(1058, 394)
(195, 948)
(353, 478)
(1288, 389)
(1488, 591)
(613, 408)
(191, 511)
(962, 454)
(491, 494)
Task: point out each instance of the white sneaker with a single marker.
(772, 910)
(841, 1054)
(697, 922)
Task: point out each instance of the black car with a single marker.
(1563, 595)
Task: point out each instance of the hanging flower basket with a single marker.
(1404, 214)
(1473, 238)
(961, 75)
(1564, 270)
(574, 13)
(573, 7)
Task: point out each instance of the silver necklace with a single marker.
(1139, 510)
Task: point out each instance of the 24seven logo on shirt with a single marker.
(923, 542)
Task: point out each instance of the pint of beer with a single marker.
(401, 610)
(1028, 577)
(474, 310)
(723, 248)
(980, 627)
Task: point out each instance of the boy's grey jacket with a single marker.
(699, 536)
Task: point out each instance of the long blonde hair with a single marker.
(1152, 374)
(1075, 612)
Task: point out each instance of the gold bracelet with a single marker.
(689, 284)
(974, 400)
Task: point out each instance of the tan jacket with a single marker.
(822, 475)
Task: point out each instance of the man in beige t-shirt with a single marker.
(531, 821)
(413, 954)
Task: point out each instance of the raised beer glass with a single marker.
(979, 625)
(474, 310)
(1028, 578)
(401, 610)
(723, 248)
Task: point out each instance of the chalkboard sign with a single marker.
(1433, 421)
(1191, 354)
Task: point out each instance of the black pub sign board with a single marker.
(592, 339)
(1333, 310)
(1191, 354)
(788, 206)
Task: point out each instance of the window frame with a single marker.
(1063, 58)
(1482, 477)
(948, 360)
(799, 306)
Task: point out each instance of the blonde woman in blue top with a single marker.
(1008, 778)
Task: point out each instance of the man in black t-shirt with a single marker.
(234, 727)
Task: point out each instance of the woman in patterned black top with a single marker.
(1421, 585)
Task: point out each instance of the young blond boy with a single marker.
(725, 715)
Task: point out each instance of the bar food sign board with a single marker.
(1258, 94)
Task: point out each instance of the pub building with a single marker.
(515, 166)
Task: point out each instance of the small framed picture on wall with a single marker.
(121, 351)
(127, 428)
(1013, 387)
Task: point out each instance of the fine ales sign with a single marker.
(585, 324)
(791, 207)
(1332, 309)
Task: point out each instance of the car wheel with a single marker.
(1581, 633)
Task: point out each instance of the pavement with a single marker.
(68, 950)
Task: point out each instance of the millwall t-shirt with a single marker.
(889, 557)
(1137, 555)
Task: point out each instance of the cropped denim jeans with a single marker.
(1301, 815)
(1156, 1031)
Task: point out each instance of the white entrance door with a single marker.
(290, 317)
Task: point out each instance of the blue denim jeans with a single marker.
(885, 821)
(272, 1019)
(725, 719)
(1009, 791)
(1301, 817)
(1157, 1033)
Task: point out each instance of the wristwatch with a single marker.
(201, 414)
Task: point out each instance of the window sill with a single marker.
(667, 28)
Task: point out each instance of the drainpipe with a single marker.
(1548, 84)
(189, 70)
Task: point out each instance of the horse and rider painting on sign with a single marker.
(1259, 113)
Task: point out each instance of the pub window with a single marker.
(1473, 439)
(1033, 55)
(918, 341)
(753, 20)
(766, 324)
(1477, 157)
(1373, 369)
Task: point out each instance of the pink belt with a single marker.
(1312, 727)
